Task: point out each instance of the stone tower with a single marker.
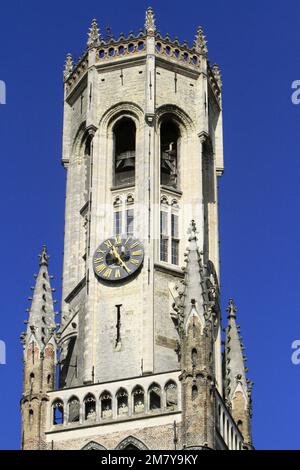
(140, 351)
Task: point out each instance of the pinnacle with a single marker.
(93, 35)
(150, 21)
(234, 352)
(41, 313)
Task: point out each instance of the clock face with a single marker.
(118, 258)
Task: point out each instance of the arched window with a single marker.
(194, 392)
(171, 395)
(194, 357)
(74, 410)
(58, 412)
(93, 446)
(88, 146)
(30, 417)
(169, 149)
(131, 443)
(122, 402)
(240, 425)
(138, 400)
(124, 152)
(89, 407)
(154, 397)
(106, 405)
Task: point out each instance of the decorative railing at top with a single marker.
(134, 45)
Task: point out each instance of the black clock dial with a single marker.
(118, 258)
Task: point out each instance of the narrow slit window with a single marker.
(129, 221)
(164, 239)
(175, 239)
(117, 222)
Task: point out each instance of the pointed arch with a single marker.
(171, 396)
(131, 443)
(93, 446)
(154, 396)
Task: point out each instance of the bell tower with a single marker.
(140, 335)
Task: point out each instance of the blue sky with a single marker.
(256, 45)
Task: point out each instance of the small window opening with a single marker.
(106, 405)
(122, 402)
(74, 410)
(154, 397)
(90, 407)
(171, 396)
(138, 400)
(58, 412)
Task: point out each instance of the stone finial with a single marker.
(43, 258)
(108, 34)
(231, 309)
(93, 35)
(150, 21)
(192, 231)
(68, 66)
(217, 74)
(200, 42)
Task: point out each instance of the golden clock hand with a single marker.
(119, 258)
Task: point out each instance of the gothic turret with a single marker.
(237, 387)
(196, 346)
(39, 358)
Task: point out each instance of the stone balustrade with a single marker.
(122, 400)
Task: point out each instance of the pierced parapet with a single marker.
(93, 35)
(200, 42)
(150, 22)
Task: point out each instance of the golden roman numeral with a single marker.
(100, 251)
(129, 238)
(118, 240)
(108, 244)
(100, 268)
(107, 273)
(98, 260)
(134, 244)
(134, 261)
(136, 253)
(117, 273)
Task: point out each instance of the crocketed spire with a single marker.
(235, 371)
(41, 323)
(193, 295)
(238, 389)
(93, 35)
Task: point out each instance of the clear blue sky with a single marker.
(256, 44)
